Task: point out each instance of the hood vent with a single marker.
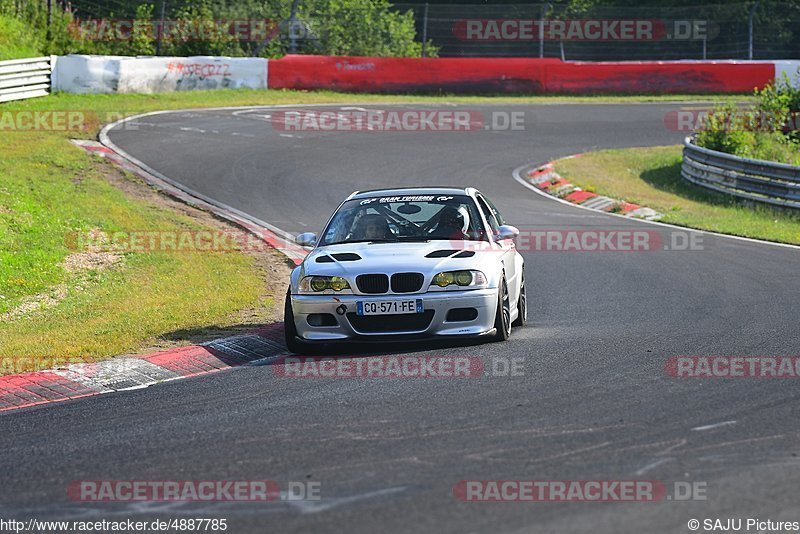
(342, 256)
(441, 253)
(347, 256)
(448, 253)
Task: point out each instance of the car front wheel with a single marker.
(502, 318)
(290, 329)
(522, 305)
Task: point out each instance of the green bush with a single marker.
(16, 40)
(724, 131)
(767, 131)
(24, 31)
(361, 28)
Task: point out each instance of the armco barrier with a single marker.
(25, 78)
(763, 181)
(110, 74)
(515, 75)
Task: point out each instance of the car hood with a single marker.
(426, 257)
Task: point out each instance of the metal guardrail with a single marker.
(752, 179)
(25, 78)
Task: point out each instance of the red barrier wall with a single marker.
(514, 75)
(382, 75)
(658, 77)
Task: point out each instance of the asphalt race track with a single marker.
(594, 403)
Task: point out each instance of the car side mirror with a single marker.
(506, 231)
(306, 239)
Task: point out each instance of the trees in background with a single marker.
(381, 28)
(264, 28)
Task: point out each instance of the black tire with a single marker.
(502, 317)
(522, 304)
(294, 345)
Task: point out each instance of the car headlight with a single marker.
(450, 280)
(319, 284)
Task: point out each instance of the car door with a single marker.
(506, 247)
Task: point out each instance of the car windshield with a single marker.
(405, 218)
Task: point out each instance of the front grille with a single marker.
(406, 322)
(373, 283)
(407, 282)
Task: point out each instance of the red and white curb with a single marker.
(546, 179)
(78, 380)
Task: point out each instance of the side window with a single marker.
(494, 210)
(488, 214)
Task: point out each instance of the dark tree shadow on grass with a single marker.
(668, 179)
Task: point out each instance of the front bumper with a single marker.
(349, 327)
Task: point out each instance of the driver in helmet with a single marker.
(450, 224)
(372, 226)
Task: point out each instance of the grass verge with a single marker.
(652, 177)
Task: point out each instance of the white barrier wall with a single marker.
(116, 74)
(109, 74)
(86, 74)
(790, 68)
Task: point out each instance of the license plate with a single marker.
(388, 307)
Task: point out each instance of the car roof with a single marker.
(410, 191)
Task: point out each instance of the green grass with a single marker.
(16, 40)
(651, 177)
(138, 103)
(50, 189)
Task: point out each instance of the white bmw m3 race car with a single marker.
(407, 264)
